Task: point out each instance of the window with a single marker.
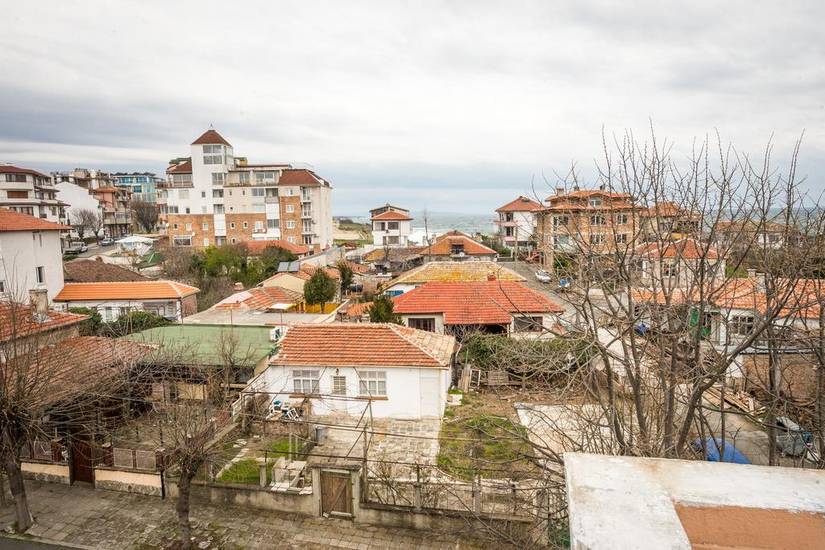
(306, 226)
(203, 194)
(307, 239)
(233, 240)
(40, 274)
(217, 193)
(218, 178)
(290, 239)
(265, 177)
(218, 208)
(183, 193)
(258, 208)
(740, 325)
(561, 242)
(621, 238)
(272, 224)
(305, 381)
(373, 382)
(596, 238)
(245, 225)
(187, 210)
(17, 194)
(175, 226)
(392, 225)
(621, 219)
(232, 225)
(596, 219)
(595, 202)
(243, 178)
(290, 208)
(259, 225)
(669, 268)
(427, 324)
(339, 385)
(189, 227)
(559, 221)
(17, 178)
(258, 192)
(182, 241)
(213, 154)
(527, 324)
(206, 242)
(457, 249)
(204, 226)
(290, 224)
(2, 287)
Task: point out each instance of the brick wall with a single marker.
(196, 228)
(239, 232)
(294, 216)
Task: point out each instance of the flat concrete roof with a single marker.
(652, 503)
(255, 318)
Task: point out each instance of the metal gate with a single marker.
(336, 494)
(82, 461)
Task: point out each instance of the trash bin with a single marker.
(320, 434)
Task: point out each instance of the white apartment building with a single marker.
(517, 223)
(215, 198)
(29, 192)
(31, 256)
(391, 226)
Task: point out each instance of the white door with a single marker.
(430, 388)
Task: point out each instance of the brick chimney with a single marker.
(559, 190)
(39, 298)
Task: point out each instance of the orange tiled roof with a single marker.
(256, 248)
(521, 204)
(300, 176)
(456, 272)
(444, 244)
(359, 309)
(126, 290)
(392, 215)
(77, 364)
(685, 249)
(15, 221)
(17, 320)
(184, 167)
(363, 345)
(664, 209)
(10, 169)
(211, 137)
(308, 270)
(260, 298)
(475, 303)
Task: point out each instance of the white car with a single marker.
(543, 276)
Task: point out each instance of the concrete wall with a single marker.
(171, 308)
(46, 471)
(249, 495)
(128, 481)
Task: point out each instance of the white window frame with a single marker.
(339, 385)
(306, 381)
(372, 383)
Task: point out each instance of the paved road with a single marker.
(95, 249)
(17, 544)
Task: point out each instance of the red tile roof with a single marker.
(260, 298)
(79, 364)
(11, 169)
(363, 345)
(392, 215)
(444, 244)
(184, 167)
(15, 221)
(474, 303)
(211, 137)
(685, 249)
(127, 290)
(256, 248)
(358, 309)
(17, 320)
(93, 271)
(300, 176)
(521, 204)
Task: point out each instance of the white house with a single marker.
(169, 299)
(78, 198)
(391, 226)
(343, 368)
(517, 222)
(30, 255)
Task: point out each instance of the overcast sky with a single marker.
(452, 106)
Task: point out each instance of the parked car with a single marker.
(543, 276)
(77, 247)
(108, 241)
(791, 438)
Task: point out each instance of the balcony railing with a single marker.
(271, 200)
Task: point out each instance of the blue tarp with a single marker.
(729, 452)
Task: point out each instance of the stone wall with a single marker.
(128, 481)
(46, 471)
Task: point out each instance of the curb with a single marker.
(30, 538)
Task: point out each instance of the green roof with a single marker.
(210, 344)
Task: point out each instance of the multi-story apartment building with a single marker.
(215, 198)
(517, 221)
(593, 221)
(143, 185)
(391, 226)
(112, 202)
(29, 192)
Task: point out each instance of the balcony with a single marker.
(271, 200)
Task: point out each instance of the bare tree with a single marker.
(146, 214)
(86, 220)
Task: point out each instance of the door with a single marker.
(430, 387)
(336, 494)
(82, 469)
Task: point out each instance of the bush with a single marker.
(135, 321)
(319, 289)
(381, 311)
(91, 326)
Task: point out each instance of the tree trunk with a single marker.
(182, 508)
(18, 492)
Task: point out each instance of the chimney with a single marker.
(559, 190)
(39, 298)
(751, 273)
(491, 276)
(601, 187)
(238, 286)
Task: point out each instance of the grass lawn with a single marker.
(244, 471)
(491, 445)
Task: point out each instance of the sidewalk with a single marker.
(92, 518)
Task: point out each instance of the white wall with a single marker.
(78, 198)
(439, 320)
(403, 400)
(403, 233)
(21, 252)
(172, 308)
